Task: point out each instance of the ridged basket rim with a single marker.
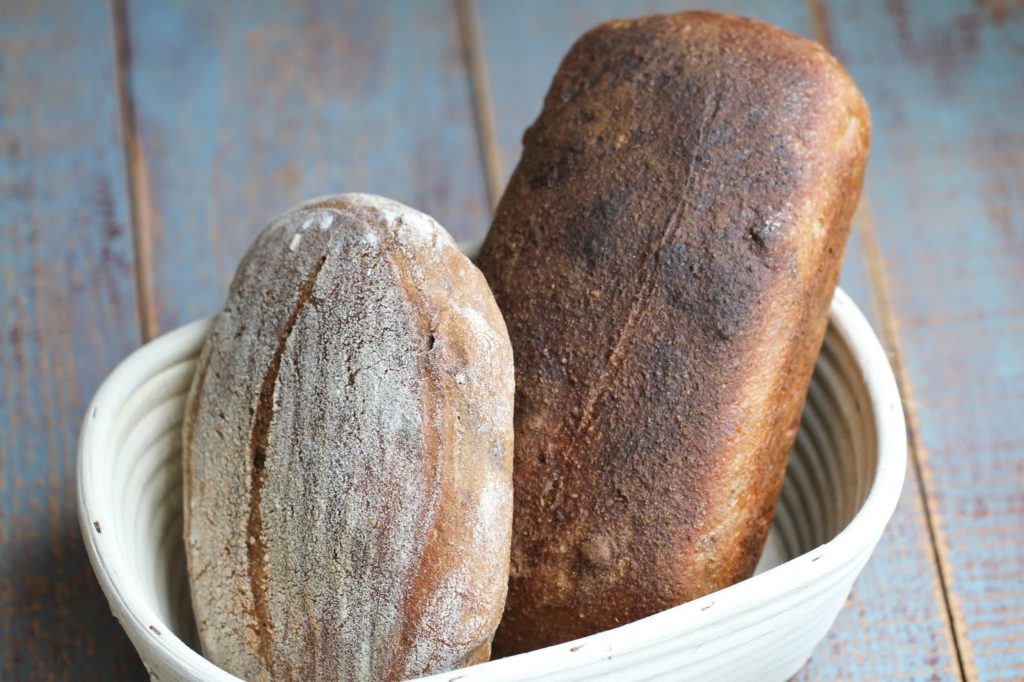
(803, 572)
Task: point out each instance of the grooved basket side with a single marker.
(843, 480)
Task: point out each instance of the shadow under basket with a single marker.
(843, 480)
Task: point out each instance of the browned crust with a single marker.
(257, 454)
(664, 257)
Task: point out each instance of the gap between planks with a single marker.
(881, 300)
(476, 70)
(136, 174)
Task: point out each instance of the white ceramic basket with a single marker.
(843, 480)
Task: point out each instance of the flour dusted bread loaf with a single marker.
(664, 257)
(348, 451)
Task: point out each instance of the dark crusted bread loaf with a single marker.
(664, 257)
(348, 452)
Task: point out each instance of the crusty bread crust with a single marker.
(664, 257)
(348, 452)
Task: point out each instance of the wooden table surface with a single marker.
(143, 145)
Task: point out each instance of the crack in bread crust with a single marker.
(264, 415)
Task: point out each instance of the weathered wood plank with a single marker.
(895, 625)
(244, 109)
(946, 83)
(67, 314)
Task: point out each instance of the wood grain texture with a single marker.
(67, 314)
(246, 108)
(946, 182)
(483, 103)
(895, 625)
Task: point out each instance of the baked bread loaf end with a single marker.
(664, 257)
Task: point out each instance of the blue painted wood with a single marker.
(946, 84)
(67, 314)
(895, 625)
(246, 108)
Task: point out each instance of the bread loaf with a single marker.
(348, 451)
(664, 257)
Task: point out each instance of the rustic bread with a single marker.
(664, 257)
(348, 452)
